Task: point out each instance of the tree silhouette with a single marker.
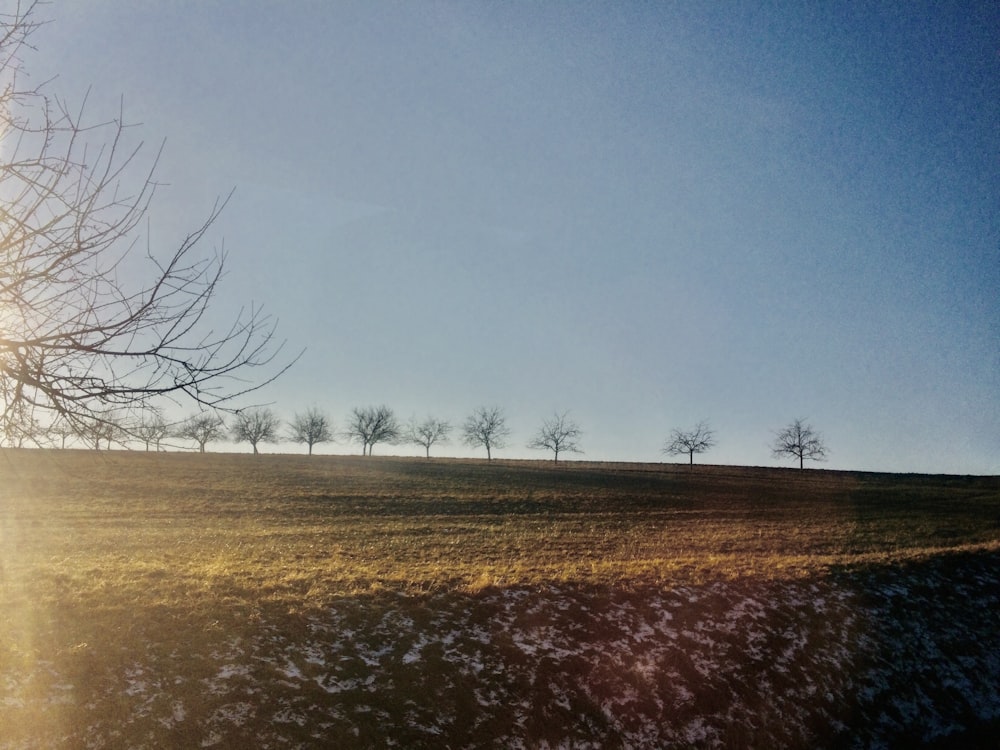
(371, 425)
(20, 427)
(152, 428)
(255, 425)
(62, 429)
(109, 428)
(696, 440)
(559, 435)
(486, 427)
(94, 322)
(203, 428)
(312, 427)
(799, 440)
(427, 433)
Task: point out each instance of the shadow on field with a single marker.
(927, 651)
(904, 656)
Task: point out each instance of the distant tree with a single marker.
(20, 426)
(559, 435)
(255, 425)
(204, 428)
(92, 318)
(62, 430)
(427, 433)
(106, 427)
(696, 440)
(371, 425)
(312, 427)
(93, 433)
(486, 427)
(799, 440)
(89, 433)
(152, 428)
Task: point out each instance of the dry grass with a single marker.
(112, 561)
(302, 531)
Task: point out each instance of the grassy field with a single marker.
(186, 600)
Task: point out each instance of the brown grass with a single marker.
(104, 555)
(299, 531)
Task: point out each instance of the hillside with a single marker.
(184, 600)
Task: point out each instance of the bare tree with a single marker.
(559, 435)
(203, 428)
(62, 430)
(696, 440)
(255, 425)
(93, 433)
(371, 425)
(799, 440)
(108, 427)
(312, 427)
(427, 433)
(486, 426)
(79, 337)
(20, 427)
(152, 428)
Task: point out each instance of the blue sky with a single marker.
(647, 214)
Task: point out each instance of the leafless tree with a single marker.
(255, 425)
(559, 435)
(110, 428)
(371, 425)
(204, 428)
(152, 428)
(93, 433)
(78, 337)
(312, 427)
(427, 433)
(21, 427)
(486, 426)
(62, 430)
(696, 440)
(799, 440)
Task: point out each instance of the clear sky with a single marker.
(647, 214)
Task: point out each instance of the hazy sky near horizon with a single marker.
(647, 214)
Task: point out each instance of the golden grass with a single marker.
(179, 527)
(109, 561)
(299, 529)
